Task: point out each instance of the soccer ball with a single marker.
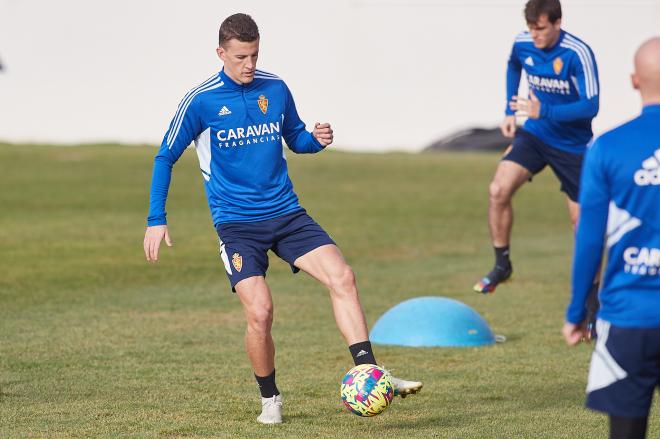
(366, 390)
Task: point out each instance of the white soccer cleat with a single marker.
(271, 410)
(404, 388)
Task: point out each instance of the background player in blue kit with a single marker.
(563, 86)
(238, 119)
(620, 200)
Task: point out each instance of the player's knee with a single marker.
(342, 281)
(498, 193)
(260, 319)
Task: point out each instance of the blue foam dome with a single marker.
(432, 321)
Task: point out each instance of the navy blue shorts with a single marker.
(244, 246)
(625, 370)
(533, 154)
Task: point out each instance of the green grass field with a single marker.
(95, 342)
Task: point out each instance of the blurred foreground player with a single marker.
(620, 201)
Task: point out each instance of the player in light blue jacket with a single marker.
(238, 119)
(620, 212)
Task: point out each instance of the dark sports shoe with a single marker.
(497, 275)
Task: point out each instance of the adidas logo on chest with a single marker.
(649, 174)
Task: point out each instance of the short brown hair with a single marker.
(239, 26)
(535, 8)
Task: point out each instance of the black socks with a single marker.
(627, 428)
(502, 257)
(267, 385)
(362, 353)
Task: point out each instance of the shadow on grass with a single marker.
(537, 397)
(510, 338)
(4, 390)
(432, 422)
(303, 417)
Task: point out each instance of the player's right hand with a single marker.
(152, 239)
(574, 334)
(508, 126)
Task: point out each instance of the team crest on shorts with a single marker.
(237, 260)
(263, 105)
(557, 65)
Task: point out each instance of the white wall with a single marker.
(389, 74)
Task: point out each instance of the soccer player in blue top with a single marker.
(620, 204)
(563, 99)
(238, 119)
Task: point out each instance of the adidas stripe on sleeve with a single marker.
(297, 138)
(184, 128)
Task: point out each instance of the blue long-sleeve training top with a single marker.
(238, 131)
(564, 77)
(620, 204)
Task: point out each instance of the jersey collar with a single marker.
(651, 108)
(230, 83)
(562, 33)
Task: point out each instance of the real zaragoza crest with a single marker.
(557, 65)
(237, 260)
(263, 106)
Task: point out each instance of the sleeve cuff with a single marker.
(316, 143)
(576, 317)
(159, 221)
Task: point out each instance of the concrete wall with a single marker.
(389, 74)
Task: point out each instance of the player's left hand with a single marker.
(526, 107)
(323, 133)
(574, 334)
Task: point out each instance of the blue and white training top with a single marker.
(565, 79)
(238, 131)
(620, 200)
